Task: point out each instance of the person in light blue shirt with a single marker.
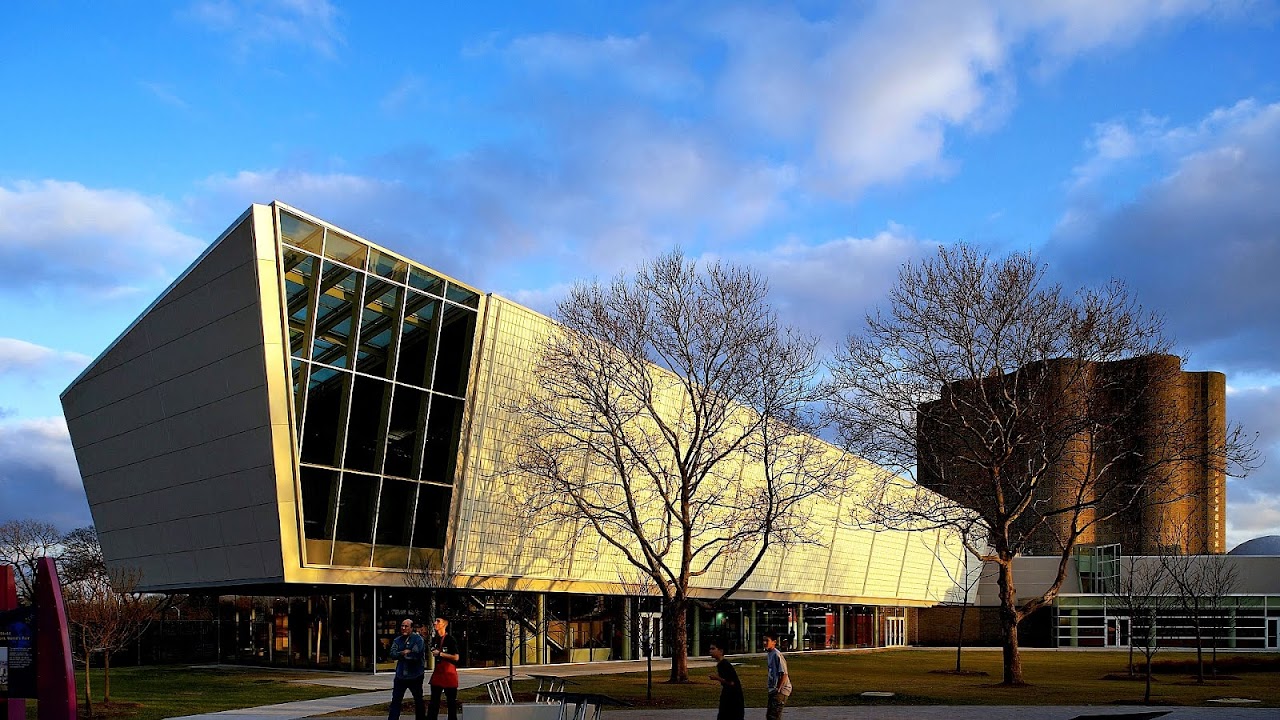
(409, 651)
(779, 678)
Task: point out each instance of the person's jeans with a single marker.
(777, 701)
(414, 686)
(450, 694)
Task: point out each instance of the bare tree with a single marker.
(430, 571)
(1144, 593)
(1217, 580)
(22, 544)
(106, 613)
(673, 414)
(639, 585)
(1199, 585)
(81, 555)
(954, 559)
(984, 381)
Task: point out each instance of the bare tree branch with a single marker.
(674, 416)
(1036, 414)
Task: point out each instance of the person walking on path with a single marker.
(732, 706)
(779, 678)
(444, 679)
(409, 651)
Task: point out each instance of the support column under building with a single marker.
(544, 654)
(628, 627)
(840, 626)
(697, 631)
(802, 630)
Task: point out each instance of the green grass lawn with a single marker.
(1054, 677)
(161, 691)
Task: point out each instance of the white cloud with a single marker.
(1065, 29)
(255, 25)
(37, 450)
(827, 288)
(65, 234)
(18, 355)
(636, 64)
(164, 93)
(543, 300)
(1258, 516)
(879, 92)
(405, 93)
(1200, 243)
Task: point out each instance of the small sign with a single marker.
(18, 653)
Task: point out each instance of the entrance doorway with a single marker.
(1118, 632)
(651, 632)
(895, 631)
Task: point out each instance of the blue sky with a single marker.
(522, 147)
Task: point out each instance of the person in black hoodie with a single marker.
(732, 705)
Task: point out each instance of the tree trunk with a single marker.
(106, 676)
(1009, 623)
(1199, 653)
(964, 610)
(678, 631)
(1146, 698)
(88, 696)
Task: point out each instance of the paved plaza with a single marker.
(376, 689)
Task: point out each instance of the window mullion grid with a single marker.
(344, 420)
(413, 524)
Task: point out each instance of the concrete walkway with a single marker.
(378, 688)
(378, 691)
(951, 712)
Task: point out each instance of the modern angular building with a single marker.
(316, 428)
(1144, 420)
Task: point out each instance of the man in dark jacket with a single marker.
(409, 651)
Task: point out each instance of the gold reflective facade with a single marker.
(373, 434)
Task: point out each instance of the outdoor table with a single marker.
(583, 702)
(554, 683)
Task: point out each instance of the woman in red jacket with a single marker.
(444, 679)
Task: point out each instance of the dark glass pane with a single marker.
(443, 427)
(418, 340)
(370, 400)
(355, 508)
(378, 323)
(404, 436)
(424, 280)
(454, 360)
(345, 250)
(326, 393)
(432, 519)
(387, 266)
(340, 288)
(463, 296)
(300, 373)
(300, 233)
(298, 299)
(395, 512)
(319, 499)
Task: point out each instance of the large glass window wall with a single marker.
(381, 354)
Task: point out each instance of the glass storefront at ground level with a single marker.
(1239, 622)
(353, 630)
